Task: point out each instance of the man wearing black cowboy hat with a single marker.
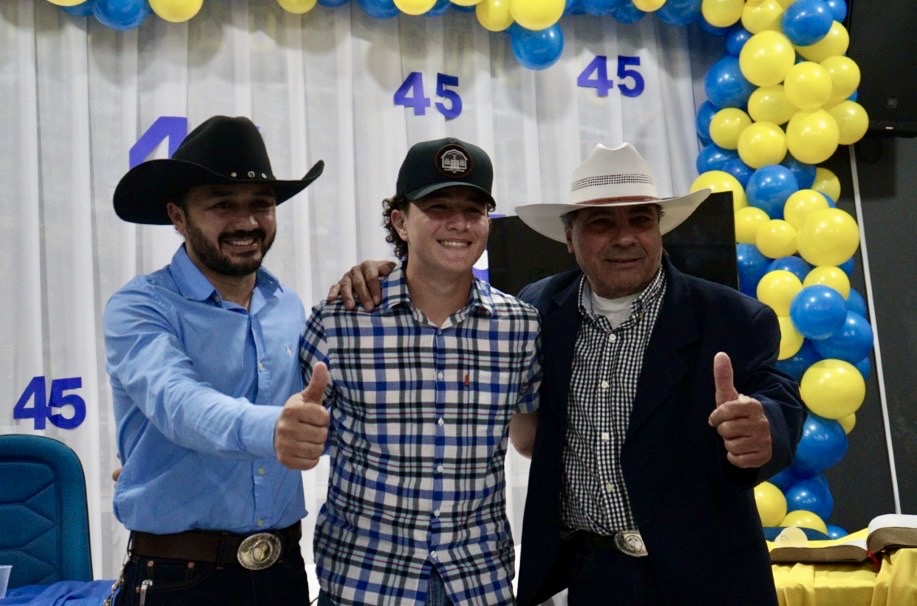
(214, 425)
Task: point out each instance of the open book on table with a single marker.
(885, 532)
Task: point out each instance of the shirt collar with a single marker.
(194, 286)
(395, 295)
(650, 294)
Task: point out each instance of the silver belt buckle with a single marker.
(630, 542)
(259, 551)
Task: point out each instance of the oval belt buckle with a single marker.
(259, 551)
(630, 542)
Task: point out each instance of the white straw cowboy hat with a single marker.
(610, 177)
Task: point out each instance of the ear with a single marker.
(398, 217)
(568, 233)
(177, 215)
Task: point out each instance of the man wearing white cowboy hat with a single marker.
(214, 425)
(661, 409)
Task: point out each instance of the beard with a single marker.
(209, 253)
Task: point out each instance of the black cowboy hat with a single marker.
(220, 150)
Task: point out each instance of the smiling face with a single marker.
(228, 229)
(618, 248)
(445, 232)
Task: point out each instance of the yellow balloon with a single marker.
(828, 237)
(766, 58)
(827, 183)
(807, 85)
(726, 125)
(776, 239)
(536, 15)
(790, 338)
(771, 504)
(465, 2)
(413, 7)
(718, 180)
(761, 144)
(812, 136)
(832, 389)
(770, 104)
(298, 7)
(649, 6)
(848, 422)
(845, 77)
(179, 11)
(722, 13)
(801, 518)
(830, 276)
(761, 16)
(748, 221)
(67, 2)
(777, 288)
(835, 42)
(494, 15)
(800, 204)
(852, 121)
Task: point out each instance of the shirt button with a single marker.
(261, 471)
(606, 436)
(604, 384)
(441, 422)
(609, 487)
(439, 468)
(436, 512)
(432, 555)
(612, 337)
(260, 523)
(261, 366)
(439, 375)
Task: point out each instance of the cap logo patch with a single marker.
(453, 162)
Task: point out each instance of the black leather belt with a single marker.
(628, 542)
(254, 551)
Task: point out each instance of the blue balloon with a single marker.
(783, 479)
(380, 9)
(806, 22)
(679, 12)
(705, 114)
(80, 10)
(838, 9)
(805, 173)
(799, 363)
(333, 3)
(811, 494)
(738, 169)
(736, 38)
(793, 264)
(599, 8)
(830, 200)
(836, 532)
(121, 14)
(751, 265)
(769, 187)
(847, 267)
(818, 311)
(726, 86)
(856, 302)
(438, 9)
(865, 368)
(713, 157)
(709, 28)
(537, 50)
(627, 13)
(823, 444)
(851, 343)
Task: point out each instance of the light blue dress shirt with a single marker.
(197, 385)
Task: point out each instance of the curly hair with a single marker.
(400, 202)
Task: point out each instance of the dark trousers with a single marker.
(601, 575)
(183, 583)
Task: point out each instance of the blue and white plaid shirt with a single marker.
(418, 437)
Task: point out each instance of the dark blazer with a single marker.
(695, 510)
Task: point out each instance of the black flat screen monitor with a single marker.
(704, 246)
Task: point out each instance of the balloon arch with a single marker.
(780, 101)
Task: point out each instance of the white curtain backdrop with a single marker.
(75, 96)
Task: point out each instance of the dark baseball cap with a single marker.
(433, 165)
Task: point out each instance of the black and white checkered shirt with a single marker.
(606, 366)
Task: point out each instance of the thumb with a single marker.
(315, 391)
(722, 378)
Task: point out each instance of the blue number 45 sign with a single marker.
(42, 408)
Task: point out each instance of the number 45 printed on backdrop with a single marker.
(43, 406)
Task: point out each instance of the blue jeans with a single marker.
(436, 593)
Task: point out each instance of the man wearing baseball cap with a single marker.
(213, 423)
(421, 395)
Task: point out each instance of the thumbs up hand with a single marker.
(301, 430)
(739, 420)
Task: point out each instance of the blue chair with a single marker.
(44, 519)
